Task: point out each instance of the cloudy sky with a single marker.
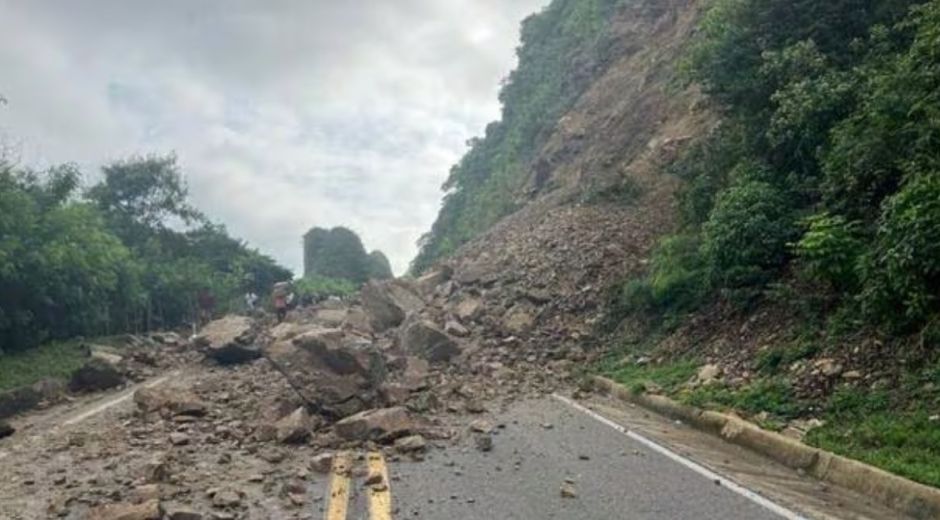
(284, 114)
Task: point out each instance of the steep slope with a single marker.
(595, 198)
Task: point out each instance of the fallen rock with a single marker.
(226, 499)
(454, 328)
(411, 444)
(380, 424)
(179, 439)
(331, 372)
(149, 510)
(469, 309)
(6, 430)
(322, 463)
(229, 340)
(96, 374)
(429, 282)
(173, 401)
(568, 490)
(422, 338)
(183, 514)
(295, 428)
(483, 442)
(389, 302)
(518, 320)
(18, 400)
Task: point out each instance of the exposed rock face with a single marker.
(97, 373)
(423, 339)
(389, 302)
(331, 371)
(383, 424)
(229, 340)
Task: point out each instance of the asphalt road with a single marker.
(539, 447)
(623, 463)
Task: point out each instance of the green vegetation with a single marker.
(338, 253)
(320, 287)
(826, 165)
(56, 359)
(895, 429)
(562, 49)
(128, 255)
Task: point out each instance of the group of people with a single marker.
(282, 299)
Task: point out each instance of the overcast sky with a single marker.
(284, 114)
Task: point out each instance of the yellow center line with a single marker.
(380, 494)
(339, 487)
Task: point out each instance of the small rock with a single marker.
(411, 444)
(484, 442)
(481, 426)
(322, 463)
(226, 498)
(179, 439)
(295, 428)
(568, 490)
(183, 514)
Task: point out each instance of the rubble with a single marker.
(150, 510)
(384, 424)
(389, 302)
(423, 339)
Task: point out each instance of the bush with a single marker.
(676, 282)
(746, 236)
(830, 249)
(902, 273)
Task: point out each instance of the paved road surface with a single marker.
(624, 464)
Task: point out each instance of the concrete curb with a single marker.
(911, 498)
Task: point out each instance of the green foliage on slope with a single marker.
(827, 160)
(562, 49)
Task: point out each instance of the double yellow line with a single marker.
(379, 491)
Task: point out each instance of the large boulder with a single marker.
(98, 373)
(229, 340)
(389, 302)
(18, 400)
(382, 424)
(331, 371)
(422, 338)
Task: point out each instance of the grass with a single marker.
(50, 360)
(669, 377)
(890, 429)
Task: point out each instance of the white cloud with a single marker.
(284, 114)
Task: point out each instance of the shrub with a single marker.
(902, 272)
(746, 236)
(830, 249)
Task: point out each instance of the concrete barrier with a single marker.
(911, 498)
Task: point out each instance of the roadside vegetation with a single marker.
(128, 254)
(897, 429)
(820, 192)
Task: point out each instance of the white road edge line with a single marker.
(115, 401)
(694, 466)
